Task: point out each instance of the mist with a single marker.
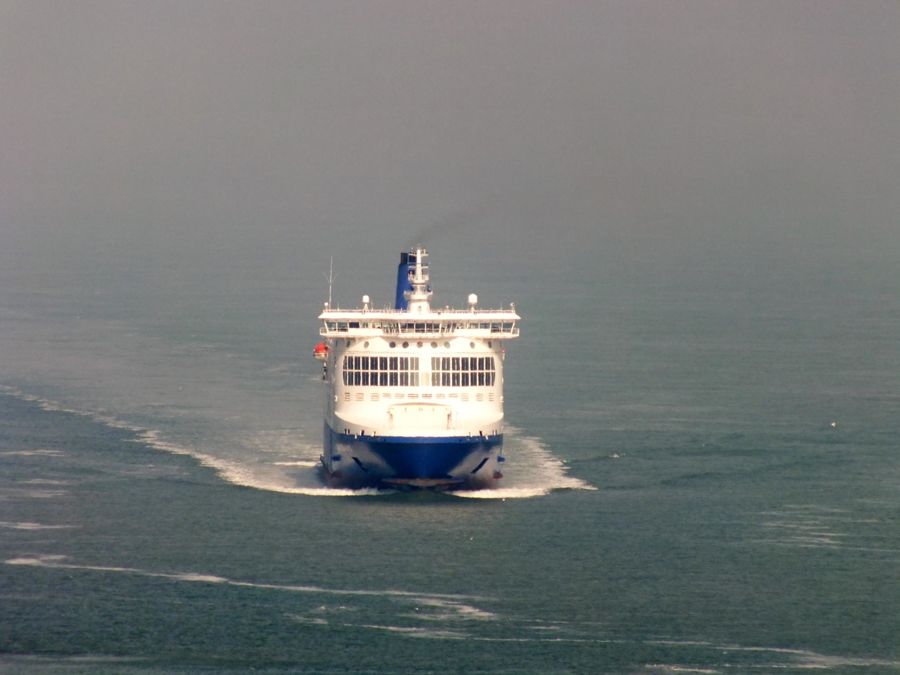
(638, 135)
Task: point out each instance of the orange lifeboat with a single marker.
(320, 351)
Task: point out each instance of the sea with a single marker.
(702, 476)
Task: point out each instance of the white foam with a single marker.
(44, 481)
(824, 661)
(42, 663)
(314, 620)
(444, 609)
(38, 452)
(32, 526)
(57, 562)
(37, 561)
(675, 668)
(415, 631)
(204, 578)
(19, 493)
(549, 628)
(544, 639)
(235, 472)
(503, 493)
(800, 659)
(808, 659)
(814, 526)
(532, 470)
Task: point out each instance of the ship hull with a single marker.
(412, 461)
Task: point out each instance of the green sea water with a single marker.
(702, 477)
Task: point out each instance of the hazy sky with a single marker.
(657, 123)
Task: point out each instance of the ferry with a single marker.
(414, 394)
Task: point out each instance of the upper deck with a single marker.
(485, 323)
(413, 315)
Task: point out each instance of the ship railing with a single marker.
(373, 328)
(435, 312)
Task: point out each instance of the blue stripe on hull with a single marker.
(360, 460)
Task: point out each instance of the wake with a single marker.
(283, 462)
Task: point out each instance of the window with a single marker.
(381, 371)
(462, 371)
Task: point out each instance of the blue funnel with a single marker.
(405, 270)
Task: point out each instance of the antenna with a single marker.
(330, 278)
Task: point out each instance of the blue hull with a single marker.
(355, 461)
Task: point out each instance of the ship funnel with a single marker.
(413, 289)
(405, 271)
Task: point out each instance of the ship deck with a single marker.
(501, 324)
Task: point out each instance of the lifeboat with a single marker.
(320, 351)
